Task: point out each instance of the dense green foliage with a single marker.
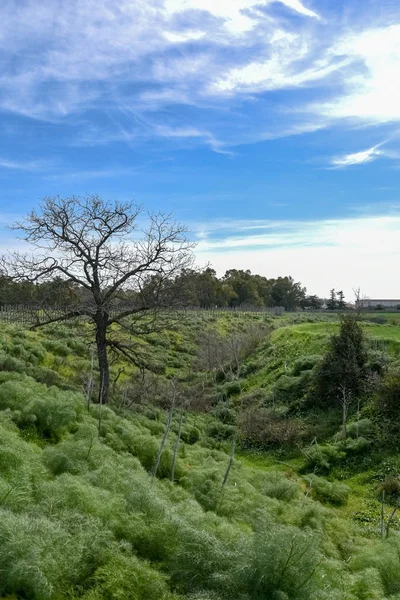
(191, 288)
(342, 371)
(81, 516)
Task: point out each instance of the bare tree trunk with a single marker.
(102, 357)
(390, 519)
(345, 419)
(164, 438)
(176, 447)
(231, 459)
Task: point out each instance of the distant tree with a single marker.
(12, 292)
(244, 286)
(341, 303)
(98, 247)
(58, 291)
(332, 303)
(344, 365)
(311, 303)
(287, 293)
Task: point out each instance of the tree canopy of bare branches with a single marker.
(122, 260)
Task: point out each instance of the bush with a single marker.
(276, 485)
(290, 389)
(220, 431)
(305, 363)
(40, 559)
(385, 558)
(357, 445)
(354, 429)
(125, 577)
(57, 347)
(326, 491)
(250, 367)
(49, 411)
(280, 564)
(190, 435)
(225, 414)
(9, 363)
(263, 428)
(45, 375)
(324, 457)
(232, 388)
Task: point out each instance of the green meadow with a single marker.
(83, 514)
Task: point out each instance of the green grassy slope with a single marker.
(81, 517)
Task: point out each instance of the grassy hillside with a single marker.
(82, 517)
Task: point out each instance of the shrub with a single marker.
(289, 389)
(76, 454)
(45, 375)
(225, 414)
(276, 485)
(354, 429)
(357, 445)
(9, 363)
(323, 457)
(385, 558)
(220, 431)
(250, 367)
(57, 347)
(190, 435)
(326, 491)
(232, 388)
(305, 363)
(367, 585)
(50, 412)
(201, 562)
(263, 428)
(280, 563)
(40, 559)
(125, 577)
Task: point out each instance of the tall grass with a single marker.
(81, 518)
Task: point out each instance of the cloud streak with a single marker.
(199, 71)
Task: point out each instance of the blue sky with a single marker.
(271, 128)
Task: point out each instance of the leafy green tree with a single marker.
(343, 368)
(244, 286)
(287, 293)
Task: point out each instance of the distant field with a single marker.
(324, 329)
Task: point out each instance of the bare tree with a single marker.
(360, 301)
(99, 247)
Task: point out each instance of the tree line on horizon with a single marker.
(192, 288)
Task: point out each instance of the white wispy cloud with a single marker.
(63, 59)
(367, 156)
(342, 253)
(24, 165)
(357, 158)
(167, 58)
(371, 91)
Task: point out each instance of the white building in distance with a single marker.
(378, 302)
